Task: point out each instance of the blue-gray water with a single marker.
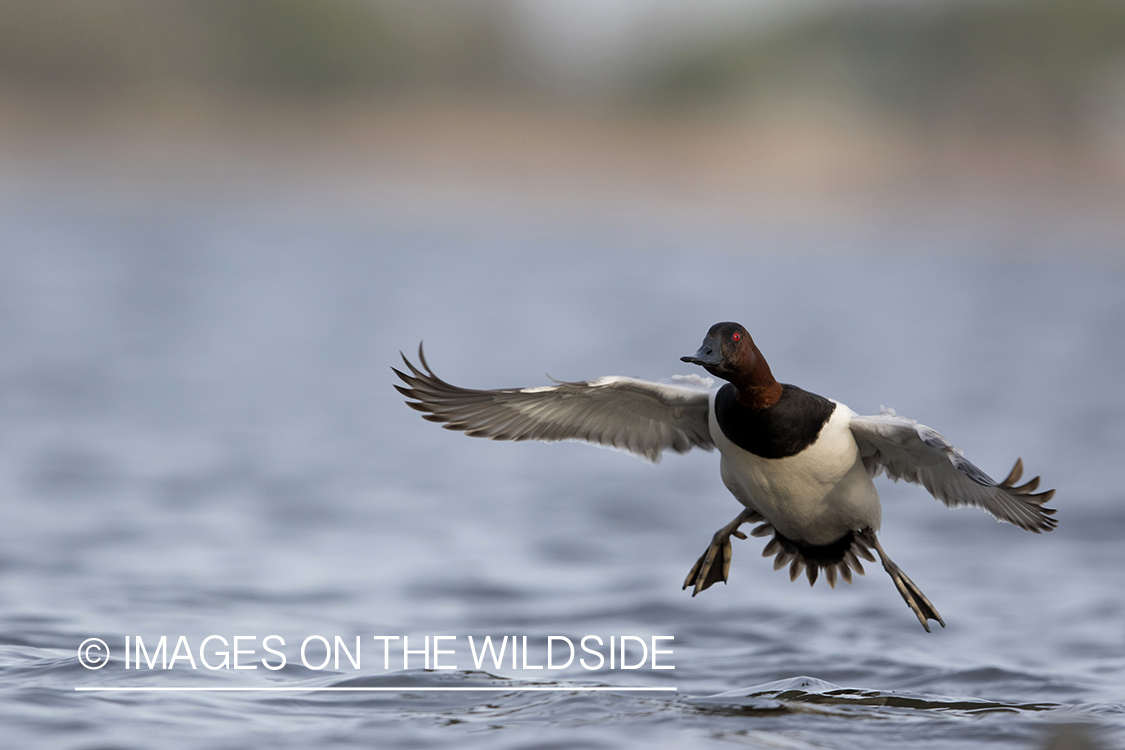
(198, 436)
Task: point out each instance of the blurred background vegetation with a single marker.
(1019, 62)
(805, 94)
(282, 48)
(1050, 60)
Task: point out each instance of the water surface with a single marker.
(198, 436)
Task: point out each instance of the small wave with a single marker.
(799, 694)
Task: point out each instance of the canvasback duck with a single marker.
(800, 464)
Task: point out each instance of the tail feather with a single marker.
(838, 559)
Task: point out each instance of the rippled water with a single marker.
(198, 436)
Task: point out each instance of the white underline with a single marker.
(541, 688)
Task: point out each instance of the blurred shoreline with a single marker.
(791, 161)
(726, 116)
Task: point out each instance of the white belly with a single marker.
(816, 496)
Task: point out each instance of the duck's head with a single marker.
(726, 350)
(729, 353)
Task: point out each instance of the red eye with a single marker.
(735, 336)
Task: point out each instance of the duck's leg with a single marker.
(913, 595)
(714, 565)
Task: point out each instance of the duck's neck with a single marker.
(756, 386)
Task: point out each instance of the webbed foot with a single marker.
(911, 594)
(713, 565)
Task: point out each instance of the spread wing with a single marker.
(634, 415)
(914, 452)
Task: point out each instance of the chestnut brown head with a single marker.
(727, 350)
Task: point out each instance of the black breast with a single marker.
(784, 429)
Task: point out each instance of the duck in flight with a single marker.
(800, 464)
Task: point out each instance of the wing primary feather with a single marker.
(1014, 475)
